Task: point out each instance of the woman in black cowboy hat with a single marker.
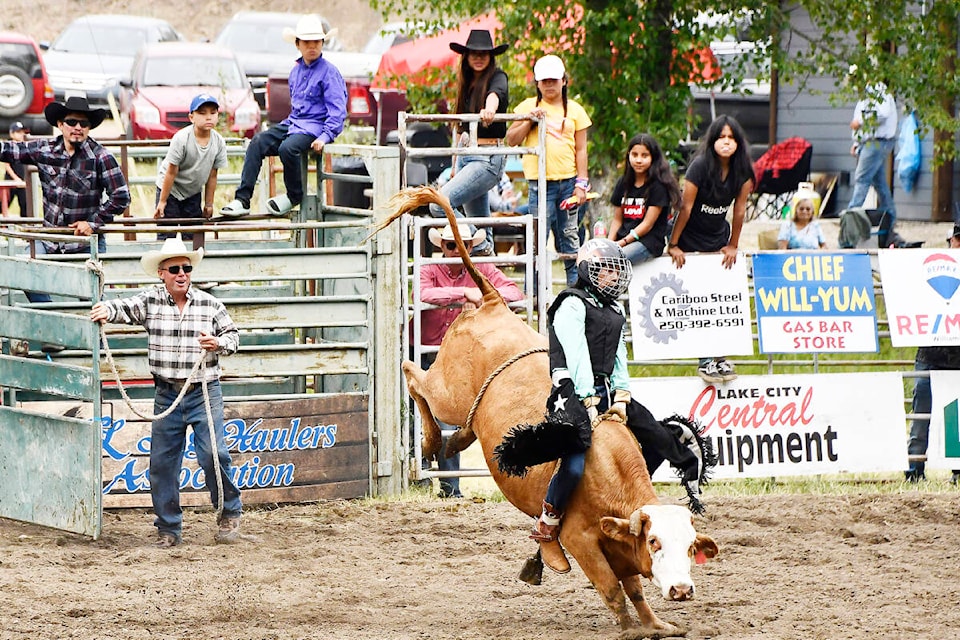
(482, 89)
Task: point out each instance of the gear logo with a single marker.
(649, 314)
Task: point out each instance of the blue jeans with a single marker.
(168, 438)
(637, 252)
(448, 486)
(275, 141)
(920, 429)
(567, 476)
(870, 171)
(563, 224)
(33, 296)
(470, 186)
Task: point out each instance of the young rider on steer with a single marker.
(588, 364)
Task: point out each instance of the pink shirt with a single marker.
(439, 287)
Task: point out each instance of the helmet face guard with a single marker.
(602, 266)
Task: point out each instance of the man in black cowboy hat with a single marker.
(75, 173)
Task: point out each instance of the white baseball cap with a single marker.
(549, 68)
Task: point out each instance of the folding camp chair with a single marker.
(778, 173)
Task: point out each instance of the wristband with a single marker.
(582, 183)
(671, 245)
(633, 234)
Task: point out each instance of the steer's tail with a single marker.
(413, 198)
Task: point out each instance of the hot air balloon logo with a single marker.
(943, 274)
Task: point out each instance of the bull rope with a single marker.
(200, 365)
(486, 383)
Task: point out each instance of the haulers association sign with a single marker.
(282, 450)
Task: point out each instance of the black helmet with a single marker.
(603, 268)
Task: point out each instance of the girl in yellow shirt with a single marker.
(566, 125)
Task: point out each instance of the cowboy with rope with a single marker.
(187, 330)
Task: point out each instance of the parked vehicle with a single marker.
(166, 76)
(94, 53)
(24, 86)
(256, 37)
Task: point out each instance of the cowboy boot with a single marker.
(546, 531)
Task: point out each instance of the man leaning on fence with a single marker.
(83, 186)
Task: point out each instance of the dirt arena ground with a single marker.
(791, 567)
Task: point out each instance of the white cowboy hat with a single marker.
(309, 27)
(172, 248)
(438, 236)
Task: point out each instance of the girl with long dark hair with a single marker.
(719, 176)
(642, 200)
(482, 89)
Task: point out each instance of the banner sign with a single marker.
(699, 311)
(815, 303)
(920, 291)
(789, 425)
(282, 450)
(943, 445)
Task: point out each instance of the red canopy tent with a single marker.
(410, 58)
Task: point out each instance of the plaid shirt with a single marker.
(173, 337)
(73, 185)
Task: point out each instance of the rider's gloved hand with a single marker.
(618, 410)
(590, 403)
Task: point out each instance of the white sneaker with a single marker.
(279, 205)
(234, 209)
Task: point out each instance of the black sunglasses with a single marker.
(450, 246)
(72, 122)
(175, 269)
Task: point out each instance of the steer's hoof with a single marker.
(653, 632)
(532, 570)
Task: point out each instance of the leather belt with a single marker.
(489, 142)
(175, 385)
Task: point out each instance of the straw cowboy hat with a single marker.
(172, 248)
(439, 236)
(55, 112)
(309, 27)
(479, 40)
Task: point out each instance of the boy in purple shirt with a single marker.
(318, 109)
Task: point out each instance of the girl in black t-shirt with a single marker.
(721, 174)
(642, 200)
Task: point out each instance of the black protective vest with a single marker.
(604, 327)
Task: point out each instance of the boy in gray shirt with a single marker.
(190, 166)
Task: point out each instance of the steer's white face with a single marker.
(671, 542)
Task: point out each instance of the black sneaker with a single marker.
(726, 370)
(710, 372)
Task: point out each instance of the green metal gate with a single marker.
(50, 464)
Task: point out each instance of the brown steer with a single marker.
(614, 525)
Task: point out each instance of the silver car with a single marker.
(95, 53)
